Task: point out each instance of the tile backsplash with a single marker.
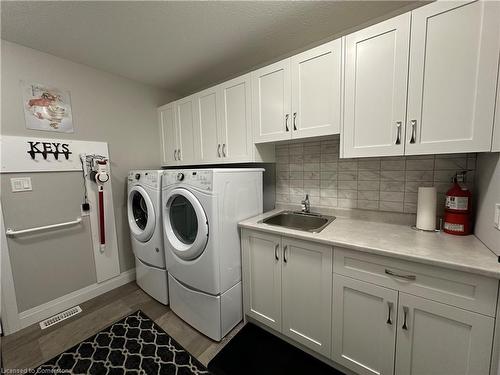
(384, 184)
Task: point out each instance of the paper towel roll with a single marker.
(426, 208)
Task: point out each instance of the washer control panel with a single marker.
(201, 179)
(147, 178)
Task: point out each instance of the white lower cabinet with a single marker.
(434, 338)
(287, 285)
(364, 326)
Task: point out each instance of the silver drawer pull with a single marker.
(285, 258)
(413, 131)
(405, 312)
(398, 127)
(407, 277)
(389, 315)
(276, 248)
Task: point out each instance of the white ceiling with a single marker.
(181, 46)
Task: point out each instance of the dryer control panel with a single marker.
(201, 179)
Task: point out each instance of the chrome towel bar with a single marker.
(11, 233)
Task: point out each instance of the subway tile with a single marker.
(328, 158)
(412, 186)
(348, 176)
(296, 149)
(410, 208)
(348, 165)
(330, 175)
(282, 190)
(313, 192)
(312, 148)
(392, 165)
(392, 196)
(328, 166)
(392, 175)
(451, 163)
(391, 206)
(311, 158)
(328, 193)
(370, 195)
(283, 175)
(419, 157)
(282, 158)
(367, 205)
(296, 176)
(348, 185)
(420, 165)
(297, 191)
(368, 185)
(368, 175)
(370, 165)
(311, 183)
(283, 198)
(444, 175)
(347, 194)
(328, 184)
(296, 167)
(347, 203)
(299, 158)
(296, 183)
(411, 198)
(419, 175)
(311, 167)
(282, 167)
(392, 186)
(328, 202)
(311, 175)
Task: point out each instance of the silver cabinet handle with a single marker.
(285, 259)
(276, 256)
(286, 122)
(178, 154)
(389, 314)
(413, 130)
(294, 120)
(398, 139)
(407, 277)
(218, 150)
(224, 150)
(175, 154)
(405, 312)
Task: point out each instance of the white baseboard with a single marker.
(38, 313)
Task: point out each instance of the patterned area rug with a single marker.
(133, 345)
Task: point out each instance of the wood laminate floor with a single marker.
(31, 346)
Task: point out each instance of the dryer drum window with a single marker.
(183, 219)
(139, 210)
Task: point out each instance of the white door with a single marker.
(262, 278)
(438, 339)
(168, 134)
(271, 102)
(451, 90)
(235, 132)
(364, 326)
(188, 137)
(307, 294)
(376, 68)
(316, 91)
(206, 119)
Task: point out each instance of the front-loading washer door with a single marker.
(185, 224)
(141, 214)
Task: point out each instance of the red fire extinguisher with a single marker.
(457, 216)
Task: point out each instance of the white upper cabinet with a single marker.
(235, 114)
(299, 97)
(453, 65)
(317, 90)
(376, 69)
(168, 133)
(463, 339)
(188, 138)
(206, 119)
(271, 102)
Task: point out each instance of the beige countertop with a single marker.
(399, 241)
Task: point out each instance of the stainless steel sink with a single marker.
(307, 222)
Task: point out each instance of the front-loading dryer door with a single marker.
(185, 224)
(141, 214)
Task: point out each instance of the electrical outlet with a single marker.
(20, 184)
(497, 216)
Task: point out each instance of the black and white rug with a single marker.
(133, 345)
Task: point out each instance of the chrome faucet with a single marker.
(306, 205)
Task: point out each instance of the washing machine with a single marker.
(144, 218)
(201, 211)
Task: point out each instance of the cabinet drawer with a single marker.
(460, 289)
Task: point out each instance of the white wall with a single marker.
(105, 107)
(488, 194)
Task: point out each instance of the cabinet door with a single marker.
(316, 91)
(262, 277)
(435, 338)
(495, 144)
(188, 137)
(451, 91)
(168, 134)
(307, 294)
(235, 119)
(206, 119)
(364, 326)
(376, 71)
(271, 96)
